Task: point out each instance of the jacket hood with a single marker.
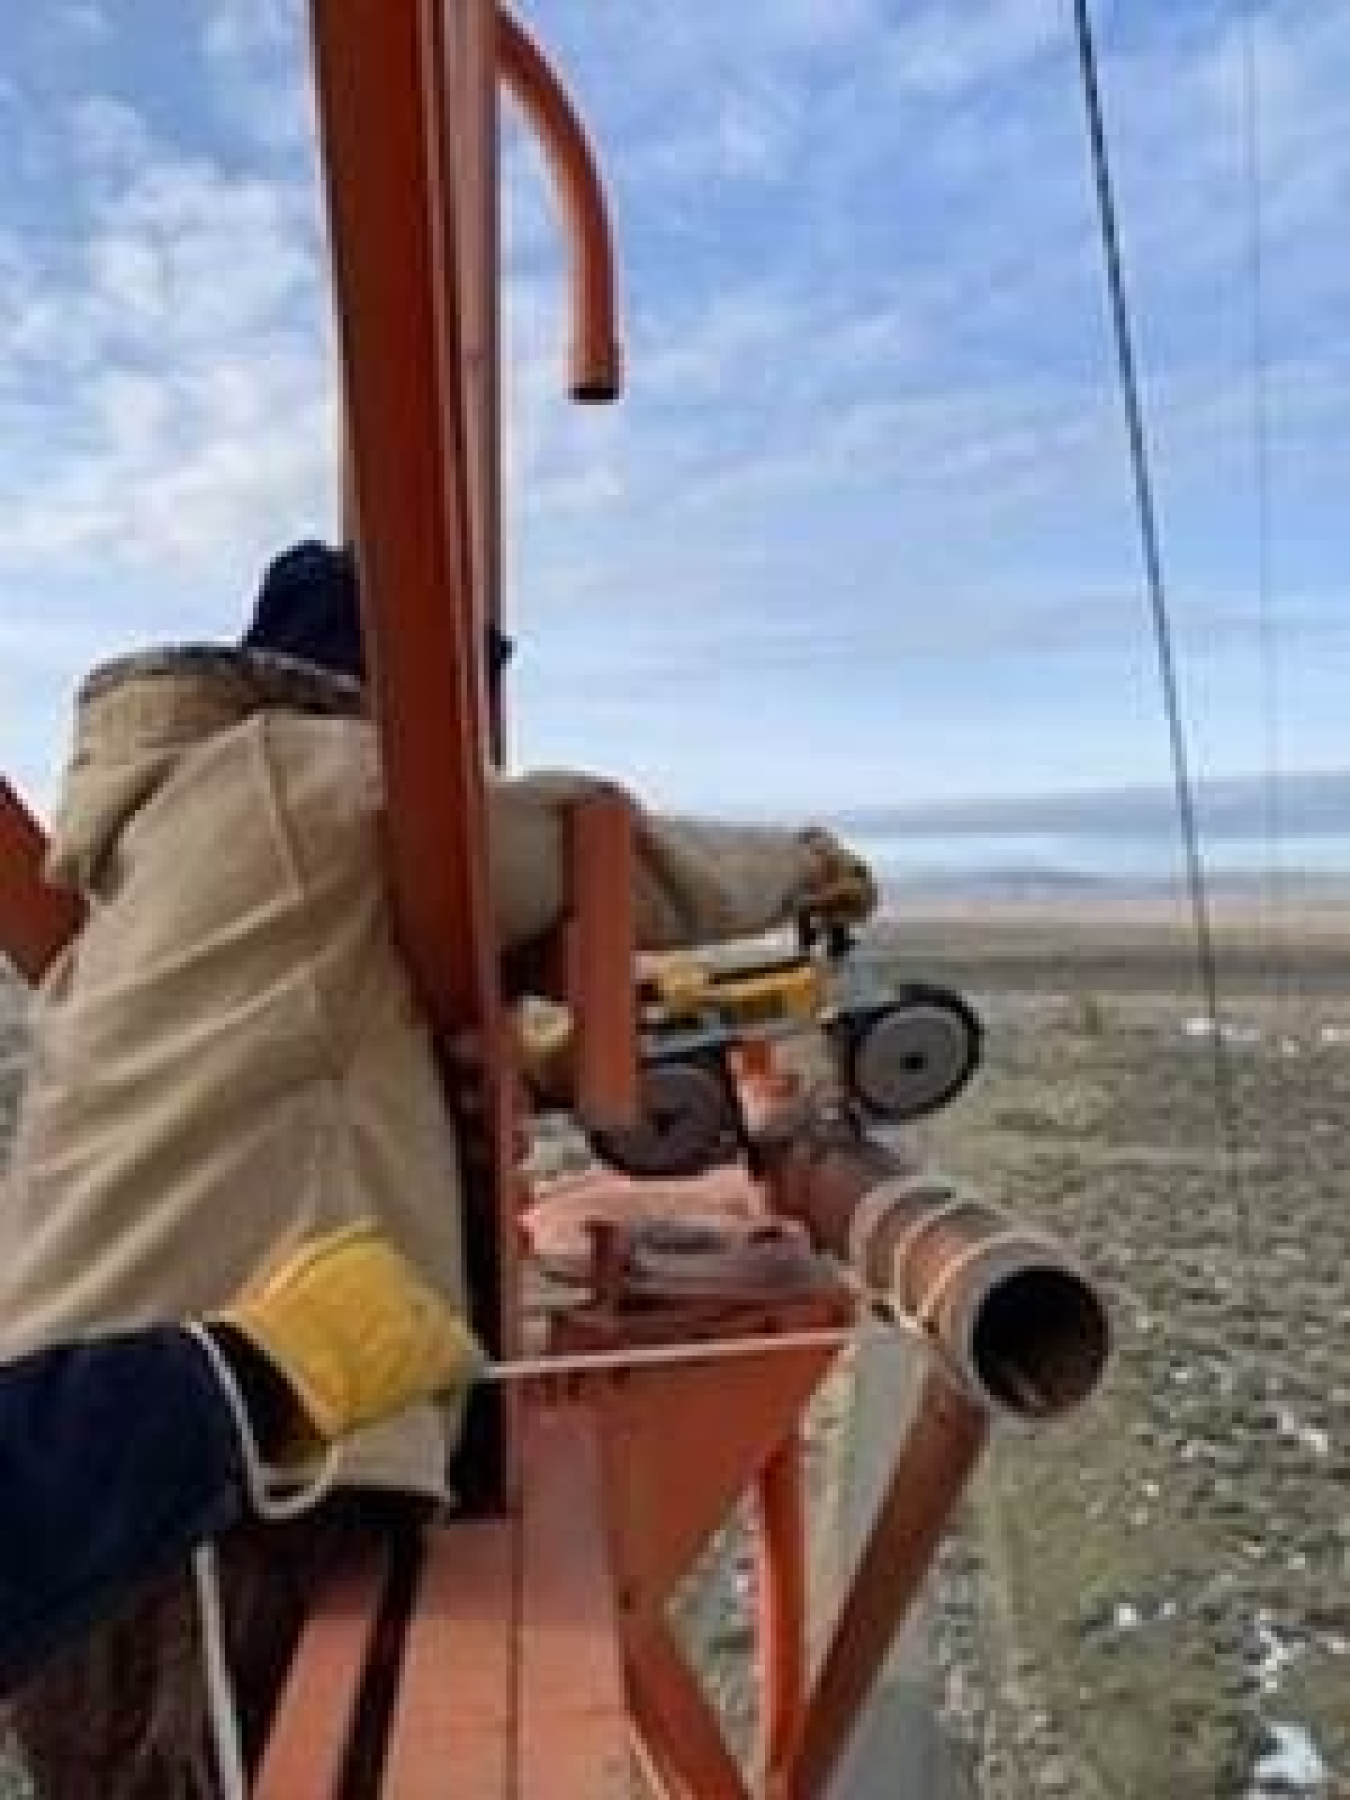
(138, 716)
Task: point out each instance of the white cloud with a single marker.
(870, 408)
(109, 137)
(745, 129)
(81, 22)
(948, 47)
(175, 337)
(244, 31)
(256, 58)
(811, 24)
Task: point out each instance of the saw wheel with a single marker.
(690, 1120)
(909, 1055)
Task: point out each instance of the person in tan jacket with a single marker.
(229, 1059)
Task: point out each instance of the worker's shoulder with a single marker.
(305, 726)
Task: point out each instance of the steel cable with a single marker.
(1225, 1096)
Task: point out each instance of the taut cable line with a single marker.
(1268, 641)
(1150, 539)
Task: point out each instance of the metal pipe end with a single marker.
(596, 376)
(1033, 1338)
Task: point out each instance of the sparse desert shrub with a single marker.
(1089, 1016)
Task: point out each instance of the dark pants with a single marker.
(117, 1458)
(122, 1715)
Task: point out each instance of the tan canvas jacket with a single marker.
(229, 1057)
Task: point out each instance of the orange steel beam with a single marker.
(935, 1462)
(573, 1734)
(596, 359)
(680, 1740)
(670, 1481)
(595, 356)
(601, 954)
(467, 108)
(36, 921)
(312, 1727)
(384, 75)
(391, 213)
(780, 1596)
(453, 1728)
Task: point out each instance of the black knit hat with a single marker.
(308, 606)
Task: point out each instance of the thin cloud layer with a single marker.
(861, 530)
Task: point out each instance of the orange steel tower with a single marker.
(533, 1657)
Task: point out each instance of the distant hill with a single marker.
(1310, 803)
(1293, 896)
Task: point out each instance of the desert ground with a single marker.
(1151, 1601)
(1154, 1599)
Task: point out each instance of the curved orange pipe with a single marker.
(595, 371)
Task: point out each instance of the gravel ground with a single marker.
(1154, 1599)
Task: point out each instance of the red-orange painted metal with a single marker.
(395, 198)
(407, 111)
(407, 99)
(468, 116)
(554, 1614)
(781, 1599)
(936, 1461)
(454, 1724)
(596, 363)
(573, 1730)
(36, 921)
(680, 1739)
(476, 38)
(670, 1481)
(559, 1222)
(391, 207)
(601, 955)
(312, 1728)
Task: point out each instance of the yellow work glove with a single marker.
(354, 1330)
(840, 889)
(544, 1043)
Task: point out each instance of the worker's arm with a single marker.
(697, 881)
(122, 1454)
(117, 1457)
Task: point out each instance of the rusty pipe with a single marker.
(1016, 1320)
(596, 359)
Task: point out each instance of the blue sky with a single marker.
(860, 535)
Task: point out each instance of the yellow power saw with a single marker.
(893, 1051)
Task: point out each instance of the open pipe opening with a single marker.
(1016, 1319)
(1039, 1342)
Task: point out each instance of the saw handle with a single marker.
(839, 940)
